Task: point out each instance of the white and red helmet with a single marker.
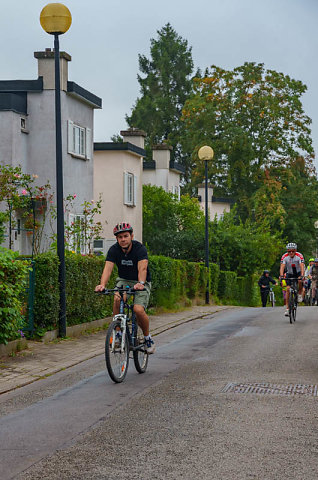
(122, 227)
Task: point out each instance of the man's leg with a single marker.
(142, 319)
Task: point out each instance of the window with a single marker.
(79, 141)
(130, 189)
(99, 246)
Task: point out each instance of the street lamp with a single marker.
(56, 19)
(206, 153)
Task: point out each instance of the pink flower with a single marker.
(24, 192)
(17, 175)
(74, 196)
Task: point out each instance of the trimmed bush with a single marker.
(82, 275)
(13, 280)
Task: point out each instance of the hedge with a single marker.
(13, 281)
(174, 283)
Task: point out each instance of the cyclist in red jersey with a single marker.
(293, 262)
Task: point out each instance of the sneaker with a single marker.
(300, 298)
(286, 313)
(150, 346)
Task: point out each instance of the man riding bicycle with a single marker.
(131, 259)
(313, 275)
(293, 262)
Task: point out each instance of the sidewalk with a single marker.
(42, 360)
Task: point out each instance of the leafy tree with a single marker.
(165, 84)
(243, 247)
(254, 120)
(171, 227)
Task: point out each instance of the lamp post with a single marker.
(316, 227)
(206, 153)
(56, 19)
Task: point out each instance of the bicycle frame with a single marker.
(124, 318)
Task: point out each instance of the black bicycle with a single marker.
(293, 299)
(124, 335)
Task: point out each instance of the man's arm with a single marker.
(105, 276)
(142, 274)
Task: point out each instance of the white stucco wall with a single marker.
(109, 168)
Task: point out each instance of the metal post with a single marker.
(207, 292)
(59, 191)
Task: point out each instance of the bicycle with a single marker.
(124, 335)
(272, 299)
(293, 299)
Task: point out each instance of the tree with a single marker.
(254, 120)
(165, 84)
(171, 227)
(243, 247)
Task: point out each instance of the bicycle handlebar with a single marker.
(112, 291)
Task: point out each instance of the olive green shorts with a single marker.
(142, 296)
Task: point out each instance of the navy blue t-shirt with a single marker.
(128, 263)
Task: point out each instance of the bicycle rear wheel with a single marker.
(116, 354)
(140, 356)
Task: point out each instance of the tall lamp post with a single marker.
(206, 153)
(56, 19)
(316, 227)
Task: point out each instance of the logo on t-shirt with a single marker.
(129, 263)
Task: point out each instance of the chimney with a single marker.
(46, 68)
(161, 155)
(134, 136)
(201, 192)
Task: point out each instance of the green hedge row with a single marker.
(174, 283)
(13, 281)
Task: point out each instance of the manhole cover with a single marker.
(272, 389)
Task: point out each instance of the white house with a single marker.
(216, 205)
(162, 171)
(27, 133)
(118, 177)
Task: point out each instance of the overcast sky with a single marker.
(106, 37)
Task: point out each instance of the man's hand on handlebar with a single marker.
(100, 288)
(139, 286)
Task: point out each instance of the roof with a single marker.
(80, 93)
(120, 146)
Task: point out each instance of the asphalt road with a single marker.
(177, 421)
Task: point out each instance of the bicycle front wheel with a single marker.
(140, 355)
(272, 300)
(116, 353)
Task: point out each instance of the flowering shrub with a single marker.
(13, 276)
(21, 195)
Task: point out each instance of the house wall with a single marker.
(109, 168)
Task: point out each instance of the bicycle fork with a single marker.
(123, 322)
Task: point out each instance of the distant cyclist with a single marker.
(313, 275)
(263, 283)
(131, 259)
(293, 262)
(307, 282)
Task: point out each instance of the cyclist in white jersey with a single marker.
(293, 262)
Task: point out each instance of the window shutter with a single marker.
(88, 143)
(126, 199)
(70, 146)
(135, 191)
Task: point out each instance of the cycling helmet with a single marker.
(122, 227)
(291, 246)
(265, 271)
(311, 260)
